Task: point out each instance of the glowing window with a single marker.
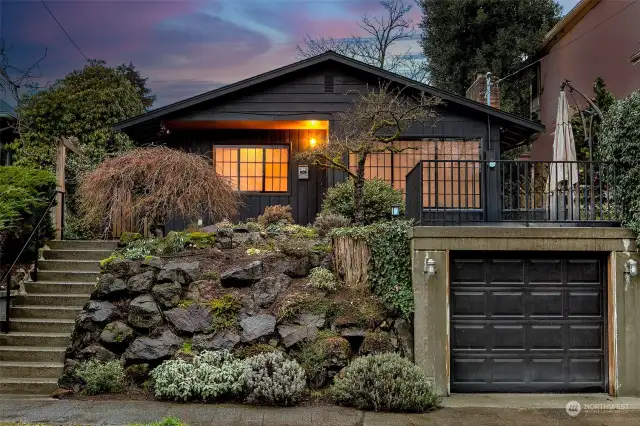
(253, 169)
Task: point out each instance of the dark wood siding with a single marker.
(303, 196)
(303, 96)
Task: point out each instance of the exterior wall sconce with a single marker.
(631, 267)
(395, 211)
(430, 268)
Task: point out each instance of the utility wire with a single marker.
(63, 30)
(575, 39)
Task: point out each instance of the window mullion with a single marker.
(264, 168)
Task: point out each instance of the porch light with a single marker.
(395, 211)
(632, 267)
(312, 142)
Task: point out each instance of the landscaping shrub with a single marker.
(218, 375)
(323, 279)
(327, 222)
(619, 143)
(390, 267)
(173, 380)
(272, 379)
(101, 377)
(253, 350)
(24, 196)
(128, 237)
(155, 183)
(275, 214)
(385, 382)
(212, 375)
(377, 200)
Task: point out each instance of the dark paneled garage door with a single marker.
(527, 323)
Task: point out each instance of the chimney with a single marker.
(478, 90)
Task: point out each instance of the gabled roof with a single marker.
(6, 110)
(446, 96)
(567, 23)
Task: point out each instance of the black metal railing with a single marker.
(579, 193)
(35, 236)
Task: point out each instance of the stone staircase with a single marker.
(32, 353)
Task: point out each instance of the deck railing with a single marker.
(576, 193)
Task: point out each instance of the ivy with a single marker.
(390, 269)
(620, 143)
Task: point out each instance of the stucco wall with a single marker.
(598, 46)
(431, 318)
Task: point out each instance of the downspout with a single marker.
(488, 95)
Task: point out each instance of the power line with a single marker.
(63, 30)
(575, 39)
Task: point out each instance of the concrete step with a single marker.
(26, 339)
(67, 276)
(69, 265)
(41, 325)
(54, 299)
(51, 312)
(31, 354)
(82, 245)
(31, 370)
(60, 287)
(96, 255)
(25, 386)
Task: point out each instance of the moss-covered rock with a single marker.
(324, 358)
(377, 342)
(128, 237)
(253, 350)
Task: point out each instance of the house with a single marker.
(519, 286)
(253, 129)
(7, 133)
(597, 38)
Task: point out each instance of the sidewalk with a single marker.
(126, 412)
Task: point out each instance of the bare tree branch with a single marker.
(384, 33)
(378, 118)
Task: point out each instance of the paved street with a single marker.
(126, 412)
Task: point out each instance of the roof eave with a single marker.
(567, 22)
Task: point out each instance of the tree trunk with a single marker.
(358, 190)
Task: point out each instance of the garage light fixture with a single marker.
(430, 268)
(631, 267)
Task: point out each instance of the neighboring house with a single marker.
(7, 133)
(597, 38)
(540, 298)
(253, 129)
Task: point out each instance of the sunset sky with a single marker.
(185, 47)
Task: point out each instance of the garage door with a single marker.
(527, 323)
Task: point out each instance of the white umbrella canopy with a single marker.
(563, 177)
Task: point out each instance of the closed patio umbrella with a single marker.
(563, 176)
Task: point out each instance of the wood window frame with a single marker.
(240, 146)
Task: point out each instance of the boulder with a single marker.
(181, 272)
(267, 289)
(116, 333)
(311, 320)
(215, 342)
(97, 313)
(122, 268)
(327, 262)
(167, 294)
(404, 332)
(241, 229)
(153, 263)
(195, 318)
(110, 287)
(243, 276)
(247, 237)
(201, 291)
(144, 312)
(294, 334)
(96, 352)
(141, 283)
(210, 229)
(258, 326)
(298, 268)
(153, 349)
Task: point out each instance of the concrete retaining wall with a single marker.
(431, 318)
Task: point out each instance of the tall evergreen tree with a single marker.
(462, 37)
(130, 72)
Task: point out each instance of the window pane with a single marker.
(247, 170)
